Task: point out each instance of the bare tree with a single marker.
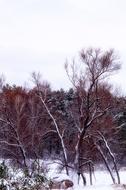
(42, 92)
(13, 127)
(86, 78)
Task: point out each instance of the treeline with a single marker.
(24, 121)
(74, 125)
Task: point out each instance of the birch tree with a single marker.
(42, 93)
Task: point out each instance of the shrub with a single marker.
(3, 171)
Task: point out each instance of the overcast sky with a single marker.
(38, 35)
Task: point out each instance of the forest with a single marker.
(81, 127)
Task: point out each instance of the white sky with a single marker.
(38, 35)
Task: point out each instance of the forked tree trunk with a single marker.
(106, 162)
(112, 156)
(38, 84)
(78, 162)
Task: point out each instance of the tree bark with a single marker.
(106, 162)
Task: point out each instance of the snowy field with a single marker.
(101, 179)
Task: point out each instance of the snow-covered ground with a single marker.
(101, 179)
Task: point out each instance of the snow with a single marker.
(101, 179)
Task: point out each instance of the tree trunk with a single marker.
(106, 162)
(59, 134)
(90, 173)
(78, 158)
(112, 156)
